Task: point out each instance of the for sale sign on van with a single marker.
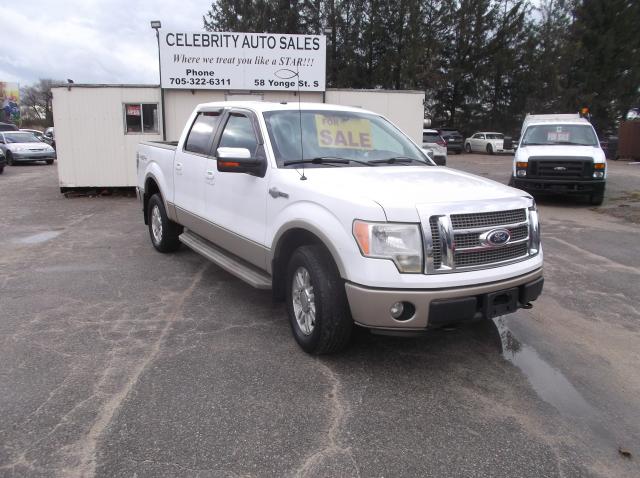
(242, 61)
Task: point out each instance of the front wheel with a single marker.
(596, 199)
(489, 149)
(163, 231)
(467, 148)
(49, 161)
(2, 170)
(9, 158)
(316, 302)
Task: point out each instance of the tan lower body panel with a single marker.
(370, 307)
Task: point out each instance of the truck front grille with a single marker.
(466, 250)
(560, 168)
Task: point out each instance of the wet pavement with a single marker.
(119, 361)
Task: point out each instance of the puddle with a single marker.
(550, 384)
(38, 238)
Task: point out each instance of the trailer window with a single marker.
(141, 118)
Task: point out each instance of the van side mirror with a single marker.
(239, 160)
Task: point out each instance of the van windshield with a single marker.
(567, 134)
(359, 139)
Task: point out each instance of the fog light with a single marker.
(521, 173)
(396, 310)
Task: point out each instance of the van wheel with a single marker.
(489, 149)
(316, 301)
(596, 199)
(163, 231)
(467, 148)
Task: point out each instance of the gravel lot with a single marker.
(119, 361)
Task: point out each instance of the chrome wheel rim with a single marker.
(156, 224)
(304, 305)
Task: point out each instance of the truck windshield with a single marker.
(568, 134)
(358, 138)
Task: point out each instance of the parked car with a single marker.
(453, 138)
(486, 142)
(609, 144)
(432, 140)
(343, 217)
(8, 127)
(3, 161)
(50, 135)
(38, 134)
(21, 146)
(560, 154)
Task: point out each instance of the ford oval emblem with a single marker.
(495, 237)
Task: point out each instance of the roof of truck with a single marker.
(572, 118)
(263, 106)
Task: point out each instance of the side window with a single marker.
(202, 131)
(239, 133)
(480, 136)
(141, 118)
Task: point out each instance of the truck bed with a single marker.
(172, 145)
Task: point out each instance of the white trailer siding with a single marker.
(94, 149)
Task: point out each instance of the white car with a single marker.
(342, 216)
(22, 146)
(432, 140)
(486, 142)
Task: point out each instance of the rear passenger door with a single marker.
(190, 167)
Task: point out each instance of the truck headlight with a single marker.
(534, 230)
(521, 169)
(401, 243)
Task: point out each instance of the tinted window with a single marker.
(238, 133)
(430, 137)
(202, 131)
(495, 136)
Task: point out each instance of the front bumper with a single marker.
(559, 186)
(33, 155)
(454, 147)
(436, 307)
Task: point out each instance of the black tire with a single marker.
(167, 239)
(458, 151)
(9, 158)
(333, 323)
(596, 199)
(489, 149)
(2, 170)
(49, 161)
(467, 148)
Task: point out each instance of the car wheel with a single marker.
(596, 199)
(2, 170)
(489, 149)
(467, 148)
(316, 301)
(458, 151)
(9, 158)
(163, 231)
(49, 161)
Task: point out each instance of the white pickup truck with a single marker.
(560, 154)
(343, 217)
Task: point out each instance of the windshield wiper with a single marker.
(325, 160)
(397, 159)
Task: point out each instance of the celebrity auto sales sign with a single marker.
(242, 61)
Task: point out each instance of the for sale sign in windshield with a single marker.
(243, 61)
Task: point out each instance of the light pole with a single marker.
(156, 25)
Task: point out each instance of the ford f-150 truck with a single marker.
(560, 154)
(341, 215)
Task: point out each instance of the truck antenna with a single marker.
(303, 177)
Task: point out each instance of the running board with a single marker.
(230, 263)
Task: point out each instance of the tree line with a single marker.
(483, 64)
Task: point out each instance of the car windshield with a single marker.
(495, 136)
(550, 134)
(22, 137)
(359, 139)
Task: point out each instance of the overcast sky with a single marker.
(88, 41)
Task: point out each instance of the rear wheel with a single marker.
(489, 149)
(467, 148)
(596, 199)
(1, 169)
(316, 302)
(162, 230)
(9, 158)
(49, 161)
